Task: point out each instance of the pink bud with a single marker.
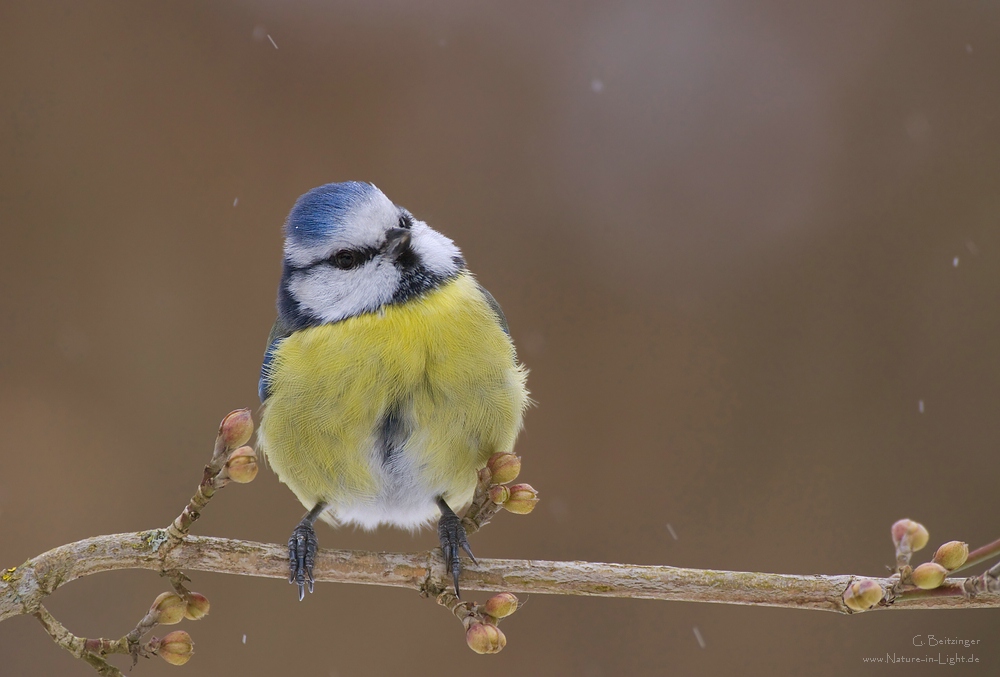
(499, 494)
(197, 606)
(523, 498)
(236, 428)
(952, 554)
(485, 638)
(168, 608)
(910, 533)
(863, 595)
(500, 605)
(928, 575)
(242, 465)
(504, 467)
(176, 648)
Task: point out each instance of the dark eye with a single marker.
(345, 259)
(405, 221)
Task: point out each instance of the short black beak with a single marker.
(397, 243)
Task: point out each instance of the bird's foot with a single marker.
(302, 547)
(453, 538)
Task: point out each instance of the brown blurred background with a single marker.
(749, 252)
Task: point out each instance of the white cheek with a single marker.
(435, 250)
(331, 295)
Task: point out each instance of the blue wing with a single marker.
(495, 307)
(278, 333)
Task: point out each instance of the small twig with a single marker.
(988, 581)
(93, 651)
(482, 509)
(462, 610)
(89, 650)
(234, 431)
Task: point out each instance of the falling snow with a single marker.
(920, 406)
(596, 86)
(697, 636)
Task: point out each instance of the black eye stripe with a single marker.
(348, 259)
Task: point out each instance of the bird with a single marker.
(389, 378)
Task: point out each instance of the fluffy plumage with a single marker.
(389, 382)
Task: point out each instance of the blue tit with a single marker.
(390, 376)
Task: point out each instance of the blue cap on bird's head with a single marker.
(324, 208)
(350, 250)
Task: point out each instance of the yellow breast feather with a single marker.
(437, 374)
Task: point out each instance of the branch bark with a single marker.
(23, 588)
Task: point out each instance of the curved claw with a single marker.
(302, 547)
(453, 539)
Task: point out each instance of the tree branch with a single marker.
(23, 588)
(171, 550)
